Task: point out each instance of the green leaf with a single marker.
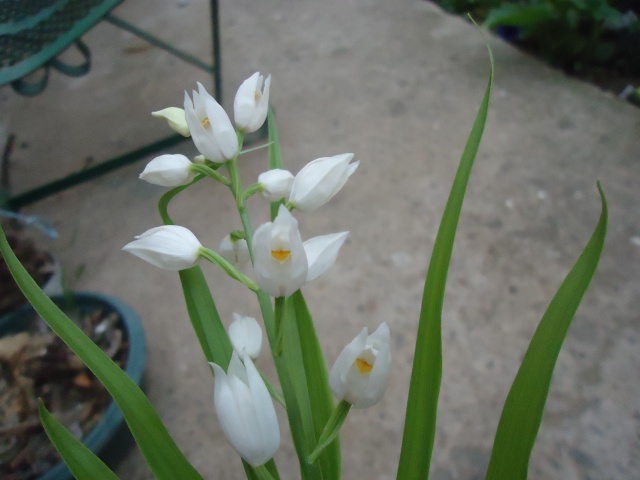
(522, 412)
(165, 199)
(317, 378)
(426, 375)
(525, 16)
(275, 155)
(202, 310)
(82, 462)
(204, 316)
(295, 389)
(160, 451)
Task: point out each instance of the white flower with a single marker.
(170, 247)
(245, 411)
(210, 127)
(175, 117)
(361, 372)
(235, 251)
(320, 180)
(246, 335)
(280, 260)
(168, 171)
(322, 252)
(251, 104)
(276, 184)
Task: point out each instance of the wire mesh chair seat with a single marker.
(34, 32)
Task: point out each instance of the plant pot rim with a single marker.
(100, 435)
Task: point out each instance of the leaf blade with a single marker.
(522, 413)
(160, 451)
(204, 317)
(317, 376)
(82, 462)
(426, 375)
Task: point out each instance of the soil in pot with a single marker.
(39, 262)
(35, 363)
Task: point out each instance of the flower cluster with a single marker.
(282, 262)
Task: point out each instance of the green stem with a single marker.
(280, 308)
(275, 394)
(235, 183)
(210, 172)
(252, 190)
(331, 429)
(259, 147)
(262, 473)
(229, 269)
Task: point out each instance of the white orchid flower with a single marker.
(170, 247)
(320, 180)
(251, 103)
(361, 372)
(245, 411)
(280, 260)
(210, 127)
(169, 170)
(246, 335)
(276, 184)
(175, 117)
(235, 251)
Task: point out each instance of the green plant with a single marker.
(276, 252)
(572, 34)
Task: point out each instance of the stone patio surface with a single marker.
(398, 84)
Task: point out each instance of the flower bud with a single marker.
(170, 247)
(246, 336)
(210, 127)
(168, 171)
(320, 180)
(361, 372)
(280, 260)
(245, 411)
(175, 117)
(251, 104)
(235, 252)
(276, 184)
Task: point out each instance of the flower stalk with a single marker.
(229, 269)
(210, 172)
(331, 429)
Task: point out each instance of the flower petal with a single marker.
(246, 335)
(322, 252)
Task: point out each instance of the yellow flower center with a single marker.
(280, 255)
(258, 95)
(205, 122)
(363, 366)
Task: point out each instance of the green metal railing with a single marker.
(20, 58)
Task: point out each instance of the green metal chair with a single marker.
(33, 33)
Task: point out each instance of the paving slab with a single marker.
(397, 83)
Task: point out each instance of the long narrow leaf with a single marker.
(295, 388)
(160, 451)
(82, 462)
(275, 155)
(522, 412)
(204, 317)
(317, 378)
(422, 404)
(201, 307)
